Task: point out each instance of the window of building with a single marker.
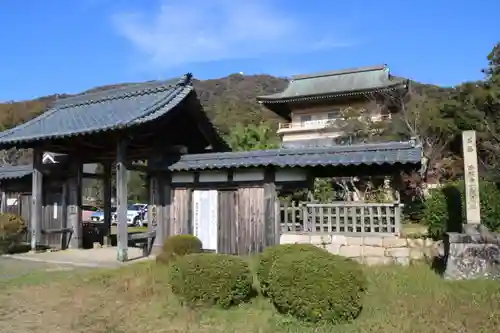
(303, 119)
(334, 114)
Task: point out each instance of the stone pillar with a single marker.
(471, 177)
(474, 253)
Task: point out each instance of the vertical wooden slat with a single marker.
(362, 217)
(277, 221)
(236, 203)
(372, 222)
(397, 218)
(379, 219)
(337, 219)
(285, 216)
(227, 222)
(270, 198)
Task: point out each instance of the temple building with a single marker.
(313, 104)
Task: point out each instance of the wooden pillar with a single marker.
(74, 204)
(36, 200)
(121, 201)
(158, 210)
(271, 222)
(3, 204)
(64, 214)
(107, 201)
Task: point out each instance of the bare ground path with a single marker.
(12, 268)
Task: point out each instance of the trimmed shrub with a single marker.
(444, 209)
(316, 288)
(270, 254)
(179, 245)
(211, 279)
(12, 227)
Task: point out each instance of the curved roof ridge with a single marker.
(341, 72)
(122, 92)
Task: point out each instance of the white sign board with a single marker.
(471, 176)
(55, 210)
(205, 223)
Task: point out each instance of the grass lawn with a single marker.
(137, 299)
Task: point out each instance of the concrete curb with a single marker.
(59, 262)
(115, 264)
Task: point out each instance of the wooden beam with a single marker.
(157, 216)
(92, 175)
(107, 197)
(74, 204)
(137, 167)
(64, 214)
(121, 198)
(36, 199)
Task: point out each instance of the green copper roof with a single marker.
(335, 84)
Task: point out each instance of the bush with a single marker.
(179, 245)
(270, 254)
(316, 288)
(444, 209)
(12, 228)
(211, 279)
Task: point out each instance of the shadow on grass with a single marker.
(454, 223)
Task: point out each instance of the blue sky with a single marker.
(66, 46)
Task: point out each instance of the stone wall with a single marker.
(369, 249)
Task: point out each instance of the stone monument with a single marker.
(475, 252)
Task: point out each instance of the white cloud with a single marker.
(194, 31)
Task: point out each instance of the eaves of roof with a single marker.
(365, 154)
(102, 111)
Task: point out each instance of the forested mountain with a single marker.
(434, 115)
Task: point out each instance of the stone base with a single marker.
(369, 249)
(473, 254)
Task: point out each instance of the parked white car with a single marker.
(135, 214)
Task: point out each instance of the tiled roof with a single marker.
(364, 154)
(15, 171)
(102, 111)
(336, 83)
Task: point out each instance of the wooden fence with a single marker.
(51, 219)
(341, 217)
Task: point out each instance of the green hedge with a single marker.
(444, 209)
(12, 228)
(211, 279)
(270, 254)
(316, 287)
(179, 245)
